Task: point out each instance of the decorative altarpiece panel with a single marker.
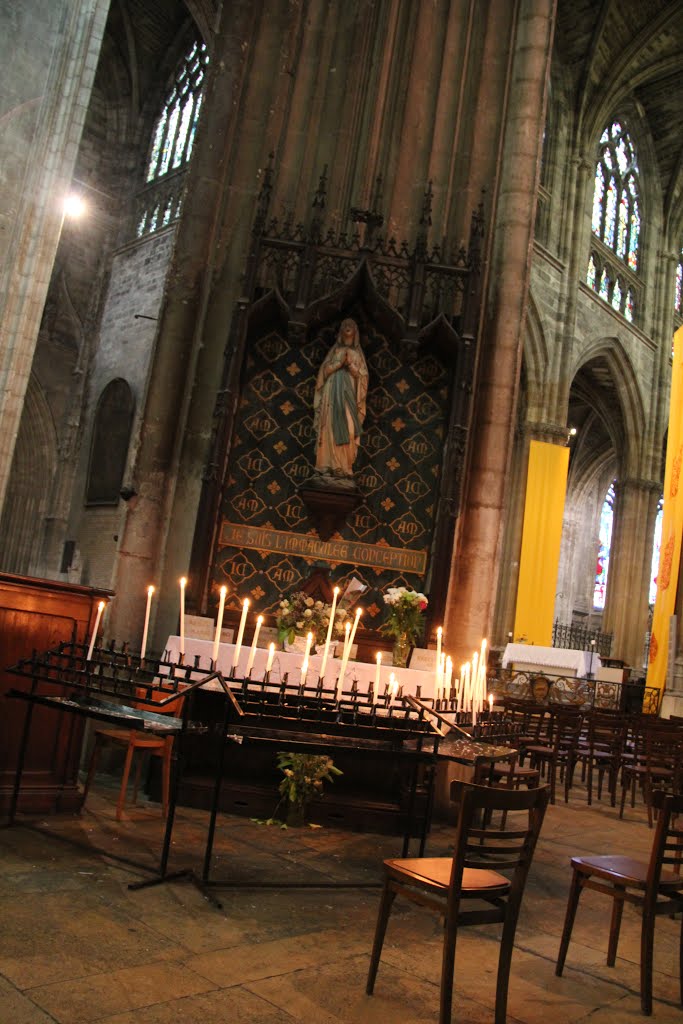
(272, 455)
(416, 313)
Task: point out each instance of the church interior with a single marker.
(198, 196)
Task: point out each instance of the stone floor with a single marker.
(77, 945)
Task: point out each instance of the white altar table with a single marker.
(559, 661)
(290, 662)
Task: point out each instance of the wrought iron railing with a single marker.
(580, 692)
(581, 638)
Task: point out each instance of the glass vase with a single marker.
(401, 650)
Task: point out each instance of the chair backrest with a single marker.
(667, 845)
(159, 695)
(606, 731)
(499, 850)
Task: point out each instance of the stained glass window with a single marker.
(172, 142)
(679, 285)
(174, 131)
(655, 552)
(604, 543)
(615, 218)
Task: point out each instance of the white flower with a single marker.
(309, 602)
(308, 613)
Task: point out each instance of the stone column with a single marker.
(476, 559)
(630, 563)
(49, 50)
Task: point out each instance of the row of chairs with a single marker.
(639, 752)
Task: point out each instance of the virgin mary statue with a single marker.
(339, 406)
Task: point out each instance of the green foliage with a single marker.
(304, 776)
(404, 614)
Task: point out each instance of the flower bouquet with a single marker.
(404, 621)
(301, 614)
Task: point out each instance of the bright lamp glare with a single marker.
(74, 206)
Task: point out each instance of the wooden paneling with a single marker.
(37, 615)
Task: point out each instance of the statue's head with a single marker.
(348, 332)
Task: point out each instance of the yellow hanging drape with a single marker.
(672, 526)
(546, 487)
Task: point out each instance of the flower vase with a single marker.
(298, 644)
(296, 814)
(401, 650)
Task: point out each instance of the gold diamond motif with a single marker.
(286, 407)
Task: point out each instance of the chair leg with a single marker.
(137, 777)
(388, 897)
(647, 936)
(615, 925)
(572, 904)
(448, 970)
(507, 941)
(124, 782)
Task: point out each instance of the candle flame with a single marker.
(150, 589)
(183, 581)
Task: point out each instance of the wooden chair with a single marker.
(449, 885)
(601, 751)
(559, 756)
(626, 880)
(141, 742)
(656, 763)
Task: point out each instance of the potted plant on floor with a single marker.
(303, 778)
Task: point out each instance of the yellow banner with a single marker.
(546, 487)
(672, 527)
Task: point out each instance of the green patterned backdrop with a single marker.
(272, 455)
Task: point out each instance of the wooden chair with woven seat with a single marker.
(451, 885)
(647, 885)
(138, 741)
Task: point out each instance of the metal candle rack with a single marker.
(305, 717)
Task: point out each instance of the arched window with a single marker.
(110, 439)
(616, 219)
(171, 146)
(605, 541)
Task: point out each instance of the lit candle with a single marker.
(359, 612)
(240, 634)
(100, 609)
(393, 685)
(447, 681)
(145, 629)
(490, 703)
(378, 670)
(252, 652)
(271, 655)
(347, 634)
(304, 664)
(330, 627)
(345, 658)
(183, 581)
(439, 675)
(219, 625)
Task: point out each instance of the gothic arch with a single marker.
(626, 422)
(33, 469)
